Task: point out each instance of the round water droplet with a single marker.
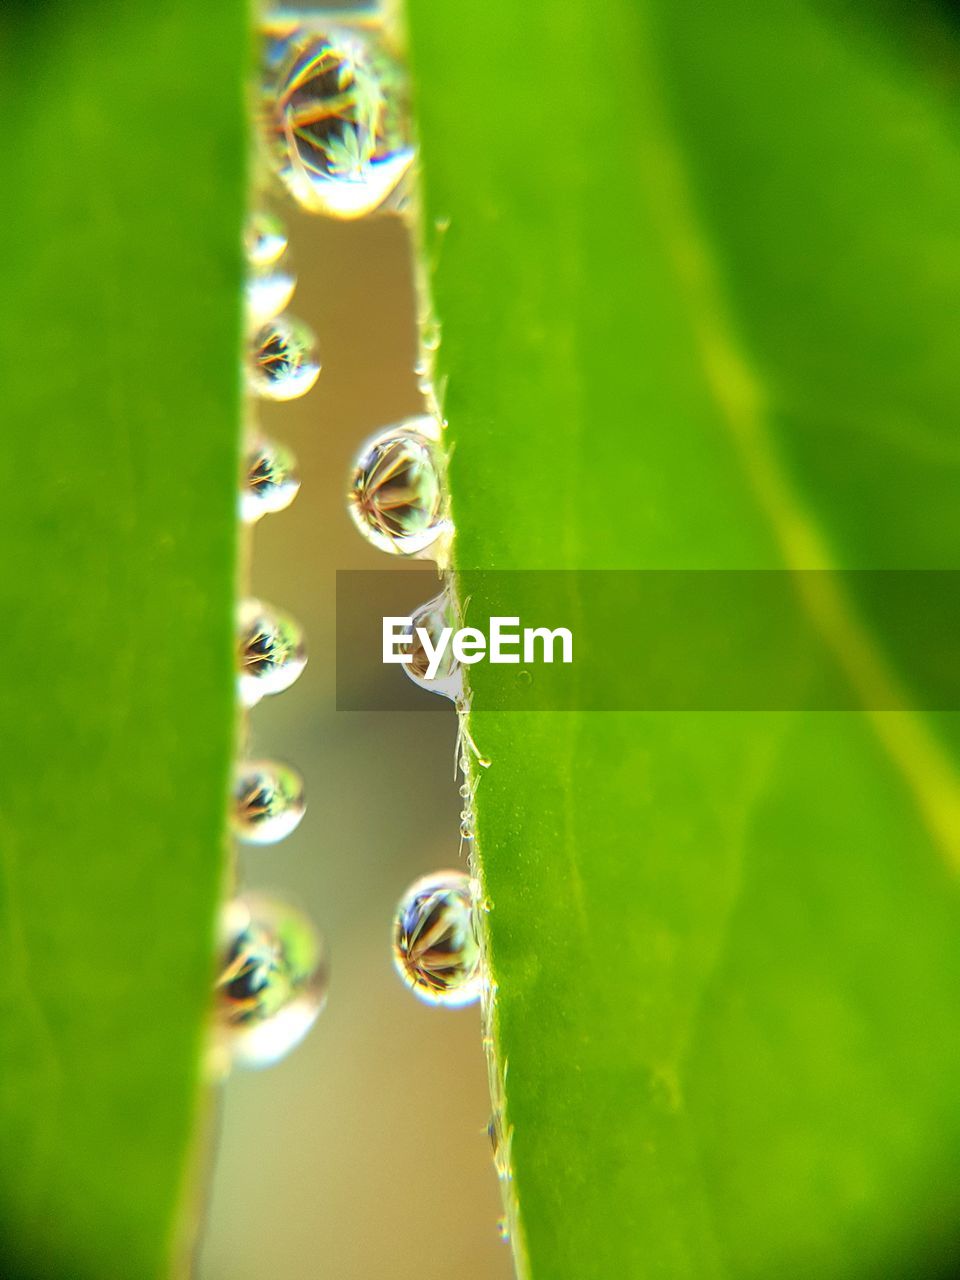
(396, 497)
(265, 240)
(268, 292)
(432, 618)
(271, 651)
(435, 946)
(339, 131)
(268, 801)
(272, 982)
(282, 361)
(271, 480)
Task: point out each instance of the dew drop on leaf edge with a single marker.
(271, 651)
(271, 479)
(282, 360)
(436, 949)
(338, 123)
(272, 979)
(396, 497)
(268, 801)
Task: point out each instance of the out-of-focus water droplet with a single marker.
(271, 651)
(271, 279)
(265, 240)
(268, 801)
(339, 123)
(433, 618)
(283, 364)
(271, 480)
(435, 945)
(396, 496)
(503, 1230)
(268, 292)
(430, 334)
(272, 981)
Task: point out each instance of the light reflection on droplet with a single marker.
(271, 479)
(436, 950)
(396, 497)
(268, 801)
(272, 981)
(339, 123)
(283, 363)
(268, 292)
(265, 240)
(271, 651)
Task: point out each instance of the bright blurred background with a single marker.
(364, 1153)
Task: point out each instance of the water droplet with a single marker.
(282, 361)
(268, 801)
(396, 497)
(430, 334)
(271, 651)
(268, 292)
(271, 480)
(433, 617)
(503, 1230)
(272, 982)
(339, 124)
(435, 946)
(265, 240)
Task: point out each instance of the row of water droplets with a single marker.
(323, 137)
(336, 136)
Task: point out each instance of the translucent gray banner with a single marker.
(658, 640)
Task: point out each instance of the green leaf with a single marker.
(121, 207)
(697, 269)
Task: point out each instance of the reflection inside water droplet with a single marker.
(338, 123)
(436, 950)
(271, 651)
(268, 801)
(396, 498)
(433, 617)
(273, 979)
(283, 363)
(271, 480)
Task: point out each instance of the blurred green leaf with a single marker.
(123, 189)
(698, 271)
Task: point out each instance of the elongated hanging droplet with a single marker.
(271, 651)
(339, 124)
(433, 618)
(265, 240)
(272, 981)
(435, 946)
(396, 497)
(271, 480)
(268, 801)
(283, 365)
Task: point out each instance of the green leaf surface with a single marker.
(124, 157)
(698, 272)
